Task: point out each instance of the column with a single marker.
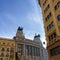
(23, 57)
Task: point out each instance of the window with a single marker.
(57, 5)
(53, 0)
(6, 58)
(47, 18)
(3, 43)
(48, 6)
(7, 55)
(2, 49)
(58, 17)
(52, 36)
(1, 58)
(49, 38)
(12, 56)
(50, 26)
(2, 54)
(20, 51)
(55, 51)
(12, 44)
(7, 50)
(44, 2)
(12, 50)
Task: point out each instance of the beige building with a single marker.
(7, 49)
(51, 19)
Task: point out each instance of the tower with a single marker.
(19, 47)
(37, 39)
(20, 34)
(51, 19)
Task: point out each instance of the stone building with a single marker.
(21, 48)
(27, 49)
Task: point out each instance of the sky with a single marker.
(24, 13)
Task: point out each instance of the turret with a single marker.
(37, 39)
(20, 34)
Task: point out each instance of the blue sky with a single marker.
(25, 13)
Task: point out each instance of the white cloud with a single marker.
(34, 17)
(29, 34)
(43, 40)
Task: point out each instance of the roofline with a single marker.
(2, 38)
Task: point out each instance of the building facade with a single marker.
(27, 49)
(21, 48)
(51, 19)
(7, 49)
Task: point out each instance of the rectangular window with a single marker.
(7, 49)
(2, 54)
(53, 0)
(48, 6)
(55, 51)
(57, 5)
(52, 37)
(1, 58)
(50, 26)
(3, 49)
(48, 17)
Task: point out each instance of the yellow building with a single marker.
(7, 49)
(51, 19)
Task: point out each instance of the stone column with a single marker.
(23, 58)
(32, 53)
(29, 53)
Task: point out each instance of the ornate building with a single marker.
(27, 49)
(21, 48)
(51, 19)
